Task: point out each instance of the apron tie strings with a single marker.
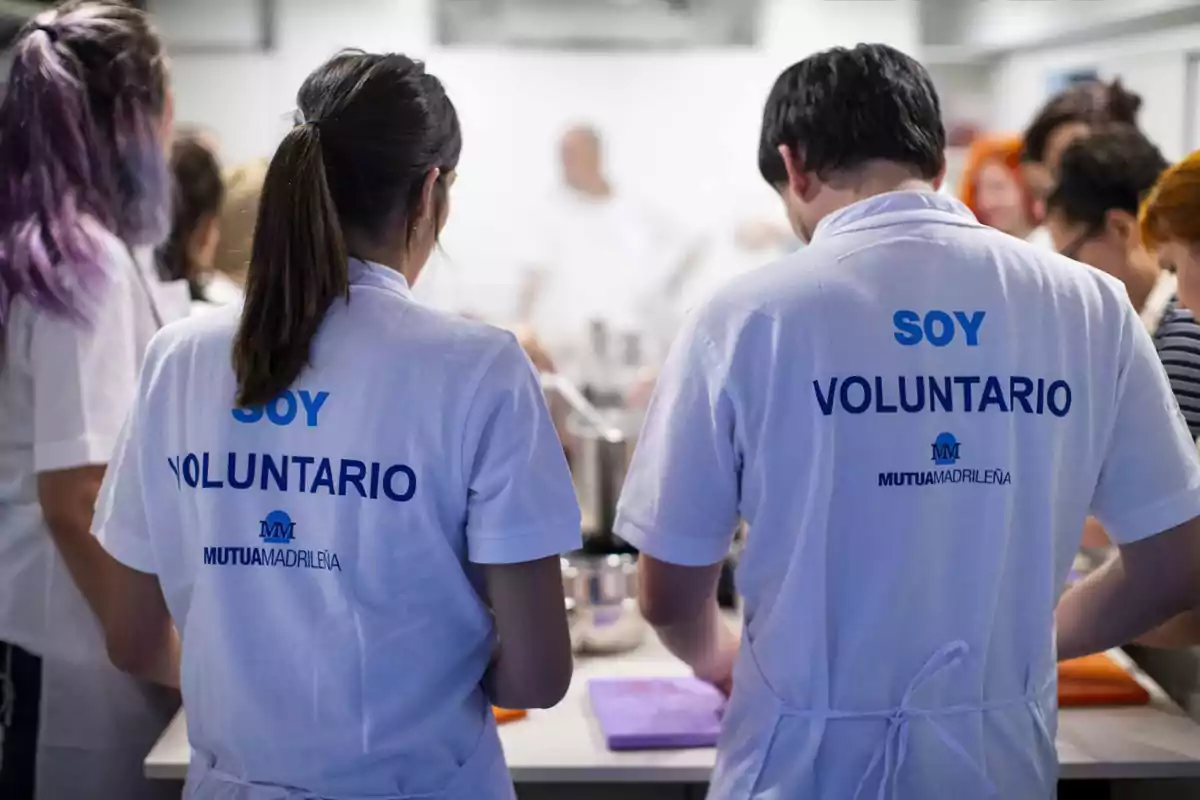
(893, 749)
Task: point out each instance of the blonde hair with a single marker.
(243, 187)
(1172, 209)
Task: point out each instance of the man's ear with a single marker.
(1122, 226)
(798, 180)
(940, 178)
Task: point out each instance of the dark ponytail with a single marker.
(1090, 102)
(1123, 105)
(298, 267)
(376, 125)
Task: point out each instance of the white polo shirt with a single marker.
(65, 387)
(319, 555)
(914, 415)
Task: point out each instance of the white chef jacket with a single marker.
(65, 388)
(318, 555)
(1040, 236)
(221, 290)
(914, 415)
(606, 259)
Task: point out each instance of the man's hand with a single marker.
(719, 670)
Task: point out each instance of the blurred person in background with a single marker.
(993, 187)
(196, 197)
(597, 256)
(1169, 222)
(1067, 116)
(1092, 216)
(437, 504)
(84, 195)
(205, 136)
(1170, 226)
(239, 213)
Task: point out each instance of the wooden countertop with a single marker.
(564, 744)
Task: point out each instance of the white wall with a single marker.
(966, 91)
(681, 128)
(1016, 23)
(1153, 65)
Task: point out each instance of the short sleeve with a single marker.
(121, 521)
(521, 502)
(84, 379)
(681, 497)
(1150, 479)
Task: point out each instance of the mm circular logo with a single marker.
(945, 450)
(277, 528)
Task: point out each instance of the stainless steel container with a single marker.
(601, 598)
(601, 445)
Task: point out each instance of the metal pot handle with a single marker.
(581, 406)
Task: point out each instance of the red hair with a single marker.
(1004, 150)
(1172, 209)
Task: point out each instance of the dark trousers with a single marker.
(20, 701)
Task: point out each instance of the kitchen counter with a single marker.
(565, 746)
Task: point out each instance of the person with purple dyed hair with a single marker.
(83, 199)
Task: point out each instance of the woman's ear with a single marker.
(205, 239)
(429, 210)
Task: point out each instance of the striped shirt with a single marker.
(1177, 339)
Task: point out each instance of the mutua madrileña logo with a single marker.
(276, 528)
(945, 451)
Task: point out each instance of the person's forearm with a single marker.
(88, 562)
(163, 666)
(93, 568)
(1107, 610)
(1182, 631)
(705, 643)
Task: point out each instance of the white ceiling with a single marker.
(583, 24)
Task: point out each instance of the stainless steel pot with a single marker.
(601, 445)
(601, 599)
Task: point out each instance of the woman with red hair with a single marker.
(1170, 226)
(992, 186)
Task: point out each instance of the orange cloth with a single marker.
(1098, 681)
(504, 715)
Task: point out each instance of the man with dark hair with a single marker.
(1092, 217)
(834, 105)
(913, 415)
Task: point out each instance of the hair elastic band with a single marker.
(301, 122)
(50, 31)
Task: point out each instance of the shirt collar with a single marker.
(892, 208)
(1157, 301)
(368, 273)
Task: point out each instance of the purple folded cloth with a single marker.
(656, 713)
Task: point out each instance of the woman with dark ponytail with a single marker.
(83, 202)
(351, 506)
(1065, 118)
(198, 193)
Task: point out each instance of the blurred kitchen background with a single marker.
(673, 87)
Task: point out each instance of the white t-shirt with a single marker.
(914, 415)
(65, 387)
(1041, 237)
(221, 290)
(605, 259)
(318, 557)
